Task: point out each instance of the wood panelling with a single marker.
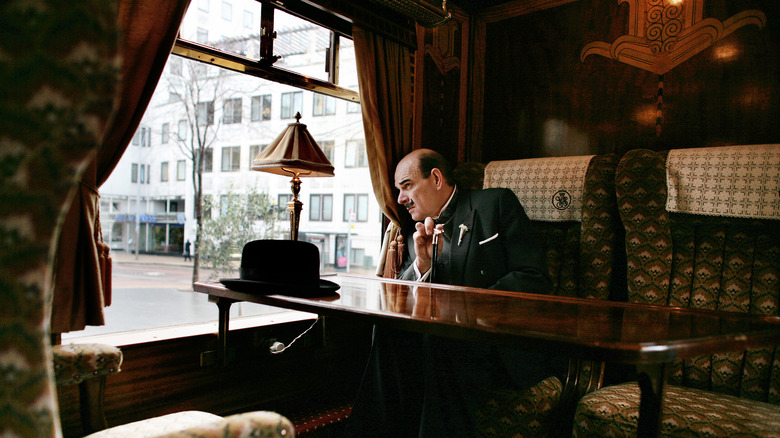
(163, 377)
(441, 86)
(542, 99)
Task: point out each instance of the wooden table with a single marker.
(585, 330)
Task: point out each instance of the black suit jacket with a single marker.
(498, 248)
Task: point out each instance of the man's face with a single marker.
(416, 194)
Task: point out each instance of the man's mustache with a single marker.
(409, 205)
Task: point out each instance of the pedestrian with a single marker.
(187, 247)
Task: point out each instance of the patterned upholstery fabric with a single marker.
(194, 424)
(58, 82)
(550, 189)
(58, 73)
(73, 363)
(703, 262)
(530, 413)
(580, 246)
(613, 412)
(580, 250)
(731, 181)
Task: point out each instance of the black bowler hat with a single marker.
(283, 267)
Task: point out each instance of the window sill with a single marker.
(124, 339)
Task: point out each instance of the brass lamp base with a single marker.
(295, 205)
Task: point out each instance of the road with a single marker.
(156, 291)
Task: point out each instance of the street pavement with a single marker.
(152, 291)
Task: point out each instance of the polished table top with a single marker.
(583, 328)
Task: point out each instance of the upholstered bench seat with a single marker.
(203, 425)
(530, 413)
(702, 232)
(613, 412)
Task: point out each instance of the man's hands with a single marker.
(423, 243)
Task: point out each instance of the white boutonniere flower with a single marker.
(463, 229)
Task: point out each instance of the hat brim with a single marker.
(324, 289)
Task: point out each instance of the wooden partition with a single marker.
(163, 377)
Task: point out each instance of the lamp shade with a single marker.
(293, 151)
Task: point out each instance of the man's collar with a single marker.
(448, 209)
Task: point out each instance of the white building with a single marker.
(148, 199)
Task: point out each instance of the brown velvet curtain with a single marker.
(149, 29)
(385, 80)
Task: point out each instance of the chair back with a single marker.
(703, 231)
(58, 93)
(571, 202)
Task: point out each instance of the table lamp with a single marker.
(294, 152)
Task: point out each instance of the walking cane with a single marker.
(435, 256)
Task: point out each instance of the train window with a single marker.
(154, 247)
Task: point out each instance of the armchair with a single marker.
(571, 202)
(702, 231)
(87, 365)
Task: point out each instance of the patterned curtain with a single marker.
(82, 285)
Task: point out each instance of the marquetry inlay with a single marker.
(662, 34)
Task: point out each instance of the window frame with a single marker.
(356, 203)
(234, 159)
(264, 68)
(281, 206)
(194, 51)
(232, 110)
(258, 112)
(208, 160)
(323, 105)
(322, 214)
(205, 109)
(352, 147)
(165, 133)
(181, 170)
(294, 106)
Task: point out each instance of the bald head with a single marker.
(423, 180)
(427, 160)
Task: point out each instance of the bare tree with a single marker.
(198, 91)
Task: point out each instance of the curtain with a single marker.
(385, 80)
(148, 31)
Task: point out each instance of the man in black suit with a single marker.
(488, 240)
(422, 385)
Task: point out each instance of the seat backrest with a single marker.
(703, 231)
(571, 202)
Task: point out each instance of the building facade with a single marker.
(147, 204)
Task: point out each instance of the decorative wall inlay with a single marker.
(550, 189)
(734, 181)
(662, 34)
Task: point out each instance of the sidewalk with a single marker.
(149, 259)
(122, 257)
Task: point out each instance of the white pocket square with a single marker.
(489, 239)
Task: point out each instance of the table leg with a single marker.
(651, 384)
(223, 304)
